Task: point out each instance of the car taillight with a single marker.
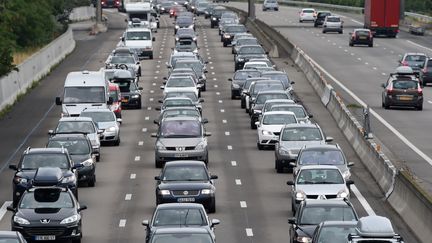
(424, 70)
(389, 91)
(370, 35)
(420, 91)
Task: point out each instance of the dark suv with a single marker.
(361, 37)
(321, 15)
(34, 158)
(426, 73)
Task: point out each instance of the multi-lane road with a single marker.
(253, 202)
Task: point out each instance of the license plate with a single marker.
(362, 37)
(181, 155)
(124, 100)
(186, 199)
(45, 237)
(405, 98)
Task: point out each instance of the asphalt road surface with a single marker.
(253, 202)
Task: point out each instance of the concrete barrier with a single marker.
(34, 68)
(82, 13)
(403, 194)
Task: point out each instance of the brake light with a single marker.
(370, 35)
(420, 91)
(389, 91)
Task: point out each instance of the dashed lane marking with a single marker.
(128, 197)
(249, 232)
(222, 110)
(122, 223)
(243, 204)
(137, 158)
(140, 143)
(238, 182)
(224, 121)
(132, 176)
(234, 163)
(229, 147)
(144, 129)
(227, 133)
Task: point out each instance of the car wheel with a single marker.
(315, 25)
(371, 45)
(279, 168)
(204, 88)
(233, 96)
(242, 104)
(76, 240)
(97, 158)
(259, 146)
(225, 44)
(232, 51)
(139, 72)
(212, 207)
(158, 164)
(293, 208)
(324, 31)
(252, 124)
(92, 181)
(420, 107)
(386, 106)
(139, 106)
(276, 9)
(341, 32)
(151, 57)
(117, 142)
(351, 44)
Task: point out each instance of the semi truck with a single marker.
(382, 17)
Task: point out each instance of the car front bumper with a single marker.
(61, 233)
(86, 172)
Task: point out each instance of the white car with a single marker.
(181, 83)
(270, 125)
(270, 4)
(256, 65)
(307, 14)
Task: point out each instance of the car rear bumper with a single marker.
(205, 200)
(409, 103)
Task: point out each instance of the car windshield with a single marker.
(190, 95)
(301, 134)
(179, 216)
(178, 102)
(404, 84)
(308, 11)
(229, 15)
(184, 21)
(261, 99)
(316, 215)
(106, 116)
(323, 14)
(415, 59)
(180, 82)
(243, 75)
(185, 173)
(179, 112)
(122, 60)
(319, 176)
(195, 65)
(75, 126)
(336, 234)
(181, 238)
(52, 199)
(138, 35)
(278, 119)
(180, 129)
(84, 95)
(35, 161)
(247, 42)
(77, 146)
(255, 65)
(251, 50)
(321, 157)
(235, 29)
(333, 19)
(126, 85)
(267, 86)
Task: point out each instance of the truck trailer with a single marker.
(382, 17)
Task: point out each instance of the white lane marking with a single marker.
(151, 99)
(214, 79)
(243, 204)
(418, 45)
(154, 84)
(213, 73)
(215, 86)
(355, 21)
(151, 91)
(352, 54)
(233, 163)
(238, 182)
(217, 93)
(375, 114)
(155, 77)
(208, 53)
(374, 68)
(224, 121)
(345, 50)
(210, 62)
(209, 58)
(122, 223)
(358, 58)
(227, 133)
(157, 71)
(157, 66)
(249, 232)
(362, 200)
(149, 108)
(366, 63)
(128, 197)
(211, 67)
(229, 147)
(384, 74)
(430, 102)
(220, 101)
(3, 208)
(140, 143)
(222, 110)
(160, 56)
(147, 118)
(137, 158)
(132, 176)
(144, 129)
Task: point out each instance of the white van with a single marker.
(140, 40)
(84, 90)
(143, 11)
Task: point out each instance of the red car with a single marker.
(114, 92)
(110, 3)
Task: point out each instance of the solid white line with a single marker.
(234, 163)
(377, 116)
(3, 209)
(227, 133)
(229, 147)
(132, 176)
(249, 232)
(238, 182)
(137, 158)
(224, 121)
(128, 197)
(355, 21)
(418, 45)
(144, 129)
(362, 200)
(122, 223)
(140, 143)
(243, 204)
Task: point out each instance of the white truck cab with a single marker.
(86, 89)
(140, 40)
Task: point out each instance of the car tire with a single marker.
(351, 44)
(293, 209)
(279, 168)
(233, 96)
(259, 146)
(117, 142)
(232, 51)
(158, 164)
(420, 107)
(151, 57)
(252, 124)
(315, 25)
(276, 9)
(225, 44)
(242, 103)
(204, 88)
(91, 182)
(370, 45)
(212, 207)
(211, 26)
(386, 106)
(341, 32)
(97, 158)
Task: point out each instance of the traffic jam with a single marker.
(47, 180)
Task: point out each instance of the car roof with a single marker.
(185, 162)
(361, 30)
(326, 147)
(45, 150)
(415, 53)
(76, 118)
(339, 223)
(179, 205)
(189, 230)
(315, 167)
(181, 108)
(279, 101)
(244, 46)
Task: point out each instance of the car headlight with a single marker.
(342, 194)
(206, 12)
(135, 96)
(207, 191)
(191, 26)
(213, 18)
(160, 146)
(177, 26)
(268, 133)
(177, 39)
(88, 162)
(304, 239)
(20, 180)
(240, 59)
(195, 51)
(201, 146)
(110, 129)
(20, 220)
(346, 174)
(164, 192)
(235, 86)
(163, 9)
(256, 111)
(300, 196)
(72, 219)
(226, 36)
(194, 39)
(69, 179)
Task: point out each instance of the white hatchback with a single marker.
(307, 14)
(270, 125)
(181, 84)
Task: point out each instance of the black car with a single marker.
(179, 214)
(321, 15)
(177, 234)
(258, 86)
(184, 22)
(186, 45)
(186, 181)
(80, 150)
(247, 52)
(361, 37)
(11, 237)
(165, 7)
(215, 15)
(48, 214)
(426, 73)
(245, 88)
(239, 79)
(334, 231)
(34, 158)
(312, 212)
(229, 32)
(130, 92)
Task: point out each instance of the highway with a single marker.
(362, 70)
(253, 202)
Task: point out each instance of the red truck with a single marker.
(382, 17)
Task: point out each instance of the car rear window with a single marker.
(405, 84)
(415, 58)
(333, 19)
(362, 32)
(316, 215)
(308, 11)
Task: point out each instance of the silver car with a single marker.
(270, 4)
(180, 112)
(292, 138)
(180, 138)
(105, 120)
(302, 115)
(332, 24)
(318, 182)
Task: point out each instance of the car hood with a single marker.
(305, 230)
(184, 185)
(29, 174)
(55, 215)
(79, 158)
(175, 142)
(298, 144)
(321, 189)
(105, 125)
(272, 128)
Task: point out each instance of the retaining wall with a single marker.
(82, 13)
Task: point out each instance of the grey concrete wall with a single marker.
(82, 13)
(34, 68)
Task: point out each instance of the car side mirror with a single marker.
(164, 82)
(165, 78)
(206, 62)
(215, 222)
(83, 207)
(290, 183)
(13, 167)
(160, 101)
(145, 223)
(140, 88)
(168, 65)
(156, 122)
(349, 182)
(76, 166)
(204, 120)
(328, 139)
(267, 52)
(207, 134)
(154, 38)
(162, 87)
(158, 108)
(50, 132)
(205, 71)
(350, 164)
(201, 100)
(58, 101)
(100, 131)
(292, 220)
(310, 116)
(213, 177)
(153, 135)
(110, 101)
(10, 208)
(157, 178)
(230, 79)
(292, 82)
